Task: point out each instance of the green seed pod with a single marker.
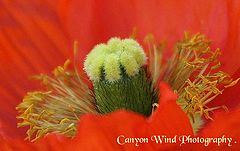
(119, 77)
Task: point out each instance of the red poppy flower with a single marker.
(32, 33)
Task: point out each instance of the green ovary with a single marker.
(131, 93)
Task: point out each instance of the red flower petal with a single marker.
(100, 132)
(31, 36)
(33, 33)
(49, 143)
(219, 20)
(224, 124)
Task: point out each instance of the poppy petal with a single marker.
(31, 36)
(224, 124)
(166, 19)
(101, 131)
(51, 142)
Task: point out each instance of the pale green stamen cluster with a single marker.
(59, 108)
(110, 58)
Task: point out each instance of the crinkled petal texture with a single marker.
(100, 132)
(35, 36)
(166, 19)
(32, 41)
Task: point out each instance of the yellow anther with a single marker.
(58, 109)
(232, 83)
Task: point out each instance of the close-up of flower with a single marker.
(119, 75)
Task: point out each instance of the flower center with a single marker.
(121, 81)
(106, 61)
(119, 78)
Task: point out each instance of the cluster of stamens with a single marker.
(58, 108)
(192, 74)
(118, 67)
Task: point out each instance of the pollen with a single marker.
(129, 63)
(195, 76)
(111, 68)
(58, 108)
(110, 60)
(193, 73)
